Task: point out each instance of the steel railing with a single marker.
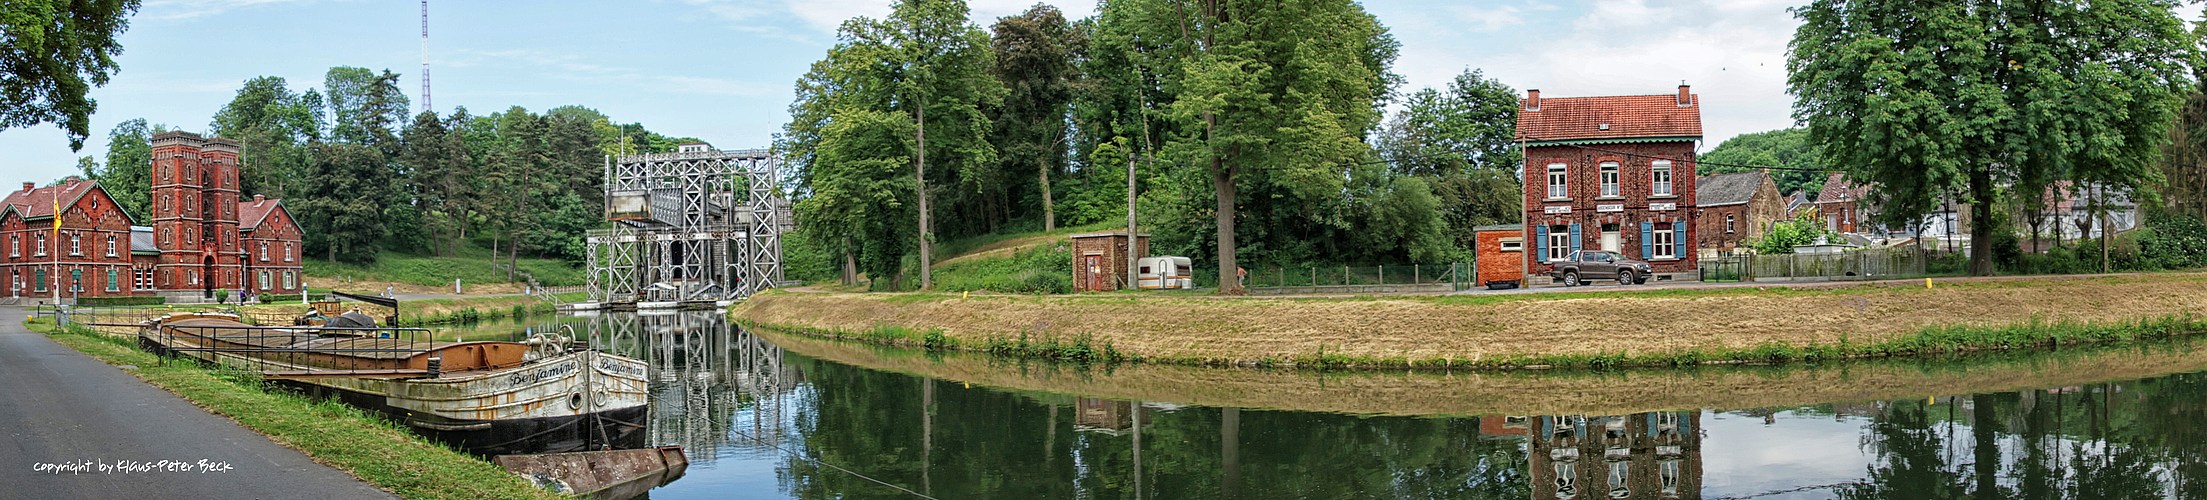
(291, 352)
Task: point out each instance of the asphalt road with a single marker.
(61, 411)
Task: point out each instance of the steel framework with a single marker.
(698, 224)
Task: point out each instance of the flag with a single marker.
(57, 214)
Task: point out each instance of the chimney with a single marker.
(1532, 99)
(28, 185)
(257, 199)
(1685, 95)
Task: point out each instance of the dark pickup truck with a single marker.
(1588, 265)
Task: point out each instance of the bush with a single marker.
(149, 300)
(1043, 269)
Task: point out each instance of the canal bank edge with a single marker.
(370, 448)
(1601, 329)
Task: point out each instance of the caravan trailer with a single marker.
(1166, 273)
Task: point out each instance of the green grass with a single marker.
(1936, 341)
(1043, 269)
(370, 447)
(473, 265)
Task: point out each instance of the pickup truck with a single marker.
(1586, 265)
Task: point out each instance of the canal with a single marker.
(765, 415)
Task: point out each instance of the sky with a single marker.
(723, 70)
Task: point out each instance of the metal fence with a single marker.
(1452, 276)
(1865, 264)
(287, 352)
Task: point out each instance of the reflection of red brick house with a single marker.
(88, 257)
(1645, 455)
(1501, 253)
(1612, 173)
(1735, 209)
(1840, 204)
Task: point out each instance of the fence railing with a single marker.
(1866, 264)
(282, 351)
(1453, 275)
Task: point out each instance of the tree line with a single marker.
(362, 176)
(1250, 130)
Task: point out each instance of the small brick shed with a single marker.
(1501, 254)
(1100, 259)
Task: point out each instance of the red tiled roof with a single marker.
(38, 203)
(1631, 116)
(252, 212)
(1838, 188)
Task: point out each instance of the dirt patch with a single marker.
(1456, 328)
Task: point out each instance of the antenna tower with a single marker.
(425, 56)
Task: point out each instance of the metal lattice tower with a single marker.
(425, 107)
(698, 224)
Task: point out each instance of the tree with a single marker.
(941, 65)
(1788, 147)
(1459, 140)
(438, 156)
(365, 107)
(342, 209)
(1034, 58)
(128, 175)
(273, 126)
(53, 53)
(1965, 97)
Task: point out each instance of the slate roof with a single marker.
(251, 213)
(141, 240)
(1727, 189)
(38, 203)
(1632, 116)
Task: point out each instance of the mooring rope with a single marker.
(818, 462)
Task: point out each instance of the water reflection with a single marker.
(805, 419)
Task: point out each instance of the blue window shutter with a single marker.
(1647, 240)
(1539, 243)
(1678, 237)
(1574, 237)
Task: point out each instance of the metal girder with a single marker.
(724, 242)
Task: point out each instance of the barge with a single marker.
(486, 397)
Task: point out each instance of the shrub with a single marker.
(149, 300)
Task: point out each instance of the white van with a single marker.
(1166, 273)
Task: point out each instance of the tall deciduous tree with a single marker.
(1776, 148)
(128, 175)
(52, 53)
(1034, 58)
(1458, 139)
(274, 126)
(1929, 98)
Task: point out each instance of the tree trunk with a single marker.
(1982, 228)
(1049, 206)
(919, 163)
(1134, 273)
(2106, 231)
(1222, 183)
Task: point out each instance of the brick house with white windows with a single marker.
(1612, 173)
(1734, 210)
(272, 240)
(88, 257)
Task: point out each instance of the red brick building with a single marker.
(198, 243)
(1501, 254)
(88, 257)
(271, 241)
(1735, 209)
(1840, 204)
(1612, 173)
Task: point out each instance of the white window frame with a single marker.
(288, 251)
(1610, 175)
(41, 245)
(264, 251)
(1729, 223)
(1559, 245)
(15, 245)
(1666, 243)
(76, 244)
(1661, 178)
(1513, 244)
(1559, 181)
(111, 245)
(290, 280)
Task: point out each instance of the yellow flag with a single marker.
(57, 213)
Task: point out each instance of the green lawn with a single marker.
(473, 265)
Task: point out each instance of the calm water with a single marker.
(811, 419)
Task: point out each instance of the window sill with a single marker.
(1610, 198)
(1662, 197)
(1552, 200)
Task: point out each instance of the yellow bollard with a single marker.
(969, 294)
(1927, 283)
(1930, 400)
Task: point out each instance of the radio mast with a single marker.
(425, 56)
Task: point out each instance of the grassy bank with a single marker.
(369, 447)
(1543, 392)
(472, 267)
(1596, 329)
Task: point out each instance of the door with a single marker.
(1611, 242)
(1095, 272)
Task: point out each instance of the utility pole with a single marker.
(1133, 274)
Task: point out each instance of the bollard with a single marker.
(436, 366)
(1927, 283)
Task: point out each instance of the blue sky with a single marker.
(722, 70)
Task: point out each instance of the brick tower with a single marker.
(195, 219)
